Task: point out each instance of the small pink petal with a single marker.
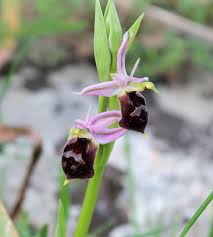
(110, 134)
(120, 79)
(108, 89)
(80, 124)
(136, 79)
(135, 67)
(121, 57)
(102, 120)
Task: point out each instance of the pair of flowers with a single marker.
(80, 149)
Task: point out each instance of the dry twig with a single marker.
(171, 19)
(8, 134)
(154, 13)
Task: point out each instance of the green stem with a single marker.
(102, 103)
(131, 184)
(91, 194)
(197, 215)
(94, 184)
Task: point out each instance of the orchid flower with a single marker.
(80, 149)
(128, 88)
(121, 81)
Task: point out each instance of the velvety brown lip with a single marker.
(134, 112)
(78, 158)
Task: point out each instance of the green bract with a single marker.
(114, 31)
(133, 30)
(101, 46)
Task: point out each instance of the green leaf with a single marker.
(101, 46)
(211, 230)
(7, 228)
(23, 225)
(133, 30)
(114, 31)
(61, 222)
(106, 11)
(43, 232)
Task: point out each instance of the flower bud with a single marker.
(133, 110)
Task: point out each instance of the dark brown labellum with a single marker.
(78, 158)
(134, 112)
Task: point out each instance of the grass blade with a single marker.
(197, 215)
(211, 229)
(61, 222)
(43, 232)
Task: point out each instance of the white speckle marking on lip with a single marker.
(139, 94)
(76, 157)
(73, 167)
(68, 154)
(87, 150)
(136, 112)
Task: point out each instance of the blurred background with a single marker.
(154, 182)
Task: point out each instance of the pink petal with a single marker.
(120, 79)
(80, 124)
(102, 120)
(110, 134)
(108, 89)
(121, 57)
(136, 79)
(135, 67)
